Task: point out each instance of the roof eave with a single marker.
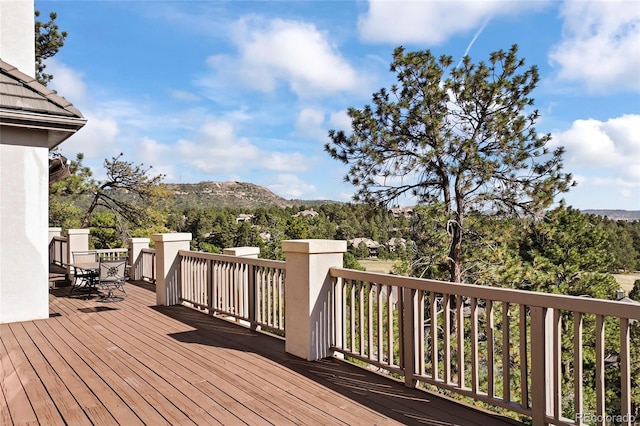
(59, 128)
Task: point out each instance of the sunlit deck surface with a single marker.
(131, 362)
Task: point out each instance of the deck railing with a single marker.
(148, 265)
(522, 351)
(557, 359)
(245, 289)
(112, 253)
(58, 251)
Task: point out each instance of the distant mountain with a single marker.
(232, 194)
(629, 215)
(225, 194)
(250, 196)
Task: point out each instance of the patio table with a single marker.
(90, 270)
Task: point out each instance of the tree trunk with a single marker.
(455, 267)
(87, 216)
(455, 252)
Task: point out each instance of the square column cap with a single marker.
(84, 231)
(314, 246)
(175, 236)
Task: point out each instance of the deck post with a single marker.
(54, 232)
(135, 256)
(53, 256)
(540, 365)
(77, 240)
(168, 266)
(408, 338)
(308, 295)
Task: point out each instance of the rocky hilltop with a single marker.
(250, 196)
(628, 215)
(225, 194)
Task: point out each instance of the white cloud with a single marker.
(310, 123)
(622, 185)
(67, 82)
(600, 45)
(346, 196)
(96, 140)
(183, 95)
(217, 149)
(291, 186)
(605, 154)
(281, 161)
(580, 179)
(613, 143)
(431, 21)
(273, 52)
(159, 156)
(340, 120)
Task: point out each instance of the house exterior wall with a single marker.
(24, 167)
(24, 255)
(17, 40)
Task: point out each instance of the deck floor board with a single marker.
(131, 362)
(138, 385)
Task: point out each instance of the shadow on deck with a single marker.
(382, 394)
(132, 362)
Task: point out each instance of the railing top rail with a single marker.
(148, 250)
(59, 238)
(266, 263)
(523, 297)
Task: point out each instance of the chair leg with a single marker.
(110, 296)
(76, 283)
(106, 298)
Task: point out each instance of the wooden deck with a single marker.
(131, 362)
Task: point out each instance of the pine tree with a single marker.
(463, 137)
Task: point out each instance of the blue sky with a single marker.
(246, 91)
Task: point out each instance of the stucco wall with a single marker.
(17, 45)
(24, 256)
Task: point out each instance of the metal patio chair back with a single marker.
(82, 277)
(112, 276)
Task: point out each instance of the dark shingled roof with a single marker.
(21, 92)
(26, 103)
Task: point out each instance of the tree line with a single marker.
(564, 251)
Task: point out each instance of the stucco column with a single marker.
(77, 240)
(54, 232)
(307, 295)
(168, 266)
(135, 256)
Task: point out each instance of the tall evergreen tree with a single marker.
(49, 39)
(461, 136)
(568, 254)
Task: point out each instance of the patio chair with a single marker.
(83, 274)
(112, 276)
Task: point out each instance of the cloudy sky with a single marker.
(247, 90)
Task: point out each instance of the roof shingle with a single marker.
(18, 91)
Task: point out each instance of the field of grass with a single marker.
(375, 265)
